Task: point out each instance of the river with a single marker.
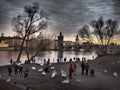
(5, 56)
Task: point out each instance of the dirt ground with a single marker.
(37, 81)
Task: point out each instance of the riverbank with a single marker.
(37, 81)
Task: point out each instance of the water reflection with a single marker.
(60, 55)
(5, 56)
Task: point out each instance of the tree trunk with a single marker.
(21, 48)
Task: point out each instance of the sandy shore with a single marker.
(37, 81)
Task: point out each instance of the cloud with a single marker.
(66, 15)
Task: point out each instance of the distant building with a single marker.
(3, 44)
(113, 48)
(11, 42)
(15, 42)
(68, 45)
(35, 42)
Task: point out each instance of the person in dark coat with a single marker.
(26, 75)
(9, 71)
(48, 62)
(46, 69)
(16, 69)
(83, 67)
(21, 69)
(65, 59)
(11, 61)
(87, 68)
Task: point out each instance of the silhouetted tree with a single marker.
(31, 21)
(100, 32)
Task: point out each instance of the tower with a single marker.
(77, 42)
(77, 39)
(60, 41)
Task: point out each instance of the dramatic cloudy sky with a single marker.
(67, 16)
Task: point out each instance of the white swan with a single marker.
(54, 73)
(63, 73)
(33, 68)
(105, 71)
(40, 70)
(52, 68)
(44, 73)
(115, 74)
(41, 64)
(9, 79)
(66, 81)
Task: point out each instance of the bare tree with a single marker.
(100, 32)
(31, 21)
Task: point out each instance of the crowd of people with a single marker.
(85, 68)
(17, 66)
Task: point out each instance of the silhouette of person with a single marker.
(70, 71)
(83, 67)
(86, 68)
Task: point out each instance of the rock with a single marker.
(67, 81)
(118, 62)
(78, 80)
(113, 62)
(115, 74)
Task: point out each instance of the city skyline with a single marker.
(66, 16)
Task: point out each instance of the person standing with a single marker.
(21, 69)
(26, 74)
(92, 72)
(11, 61)
(86, 68)
(83, 67)
(70, 71)
(9, 70)
(74, 68)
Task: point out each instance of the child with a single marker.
(92, 71)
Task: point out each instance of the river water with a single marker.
(5, 56)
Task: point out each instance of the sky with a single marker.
(67, 16)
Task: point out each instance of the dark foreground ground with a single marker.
(101, 81)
